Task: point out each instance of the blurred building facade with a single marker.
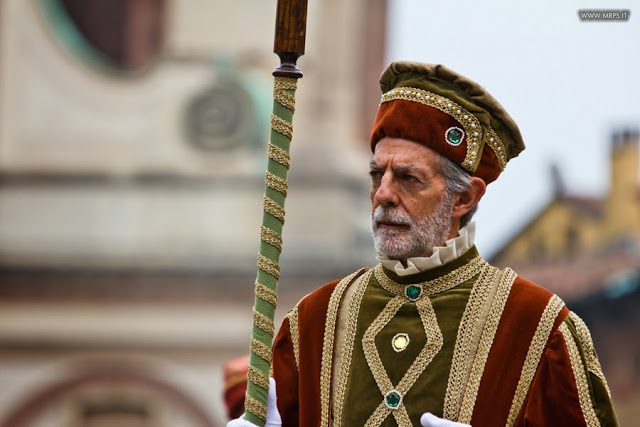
(587, 250)
(132, 155)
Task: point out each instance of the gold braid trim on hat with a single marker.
(494, 141)
(470, 123)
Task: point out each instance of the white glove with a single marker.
(273, 416)
(429, 420)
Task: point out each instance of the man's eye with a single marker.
(409, 178)
(375, 174)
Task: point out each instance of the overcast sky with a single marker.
(568, 84)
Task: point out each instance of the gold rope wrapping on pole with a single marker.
(271, 237)
(276, 183)
(279, 155)
(268, 266)
(258, 377)
(255, 407)
(262, 350)
(274, 208)
(263, 322)
(266, 294)
(281, 126)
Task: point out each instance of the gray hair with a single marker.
(457, 180)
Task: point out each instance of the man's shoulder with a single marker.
(322, 295)
(527, 299)
(532, 291)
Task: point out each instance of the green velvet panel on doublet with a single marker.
(428, 393)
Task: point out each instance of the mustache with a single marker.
(391, 215)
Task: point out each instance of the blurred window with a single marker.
(573, 240)
(115, 414)
(122, 34)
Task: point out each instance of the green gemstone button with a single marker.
(454, 136)
(393, 399)
(413, 292)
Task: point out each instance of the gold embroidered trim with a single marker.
(281, 95)
(266, 294)
(273, 208)
(431, 348)
(256, 408)
(268, 266)
(532, 360)
(382, 412)
(281, 126)
(258, 378)
(469, 122)
(279, 155)
(581, 380)
(327, 346)
(434, 286)
(263, 322)
(584, 336)
(295, 336)
(271, 237)
(467, 342)
(494, 141)
(346, 351)
(260, 349)
(507, 277)
(276, 183)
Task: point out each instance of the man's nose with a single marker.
(386, 194)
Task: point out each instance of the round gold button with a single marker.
(400, 342)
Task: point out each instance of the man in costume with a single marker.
(434, 334)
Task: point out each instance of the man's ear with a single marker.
(470, 197)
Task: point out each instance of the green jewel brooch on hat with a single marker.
(454, 136)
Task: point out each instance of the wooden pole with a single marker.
(289, 43)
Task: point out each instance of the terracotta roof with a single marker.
(582, 275)
(591, 206)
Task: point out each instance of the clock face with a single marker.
(220, 118)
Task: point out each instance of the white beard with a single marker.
(421, 236)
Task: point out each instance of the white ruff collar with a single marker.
(452, 249)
